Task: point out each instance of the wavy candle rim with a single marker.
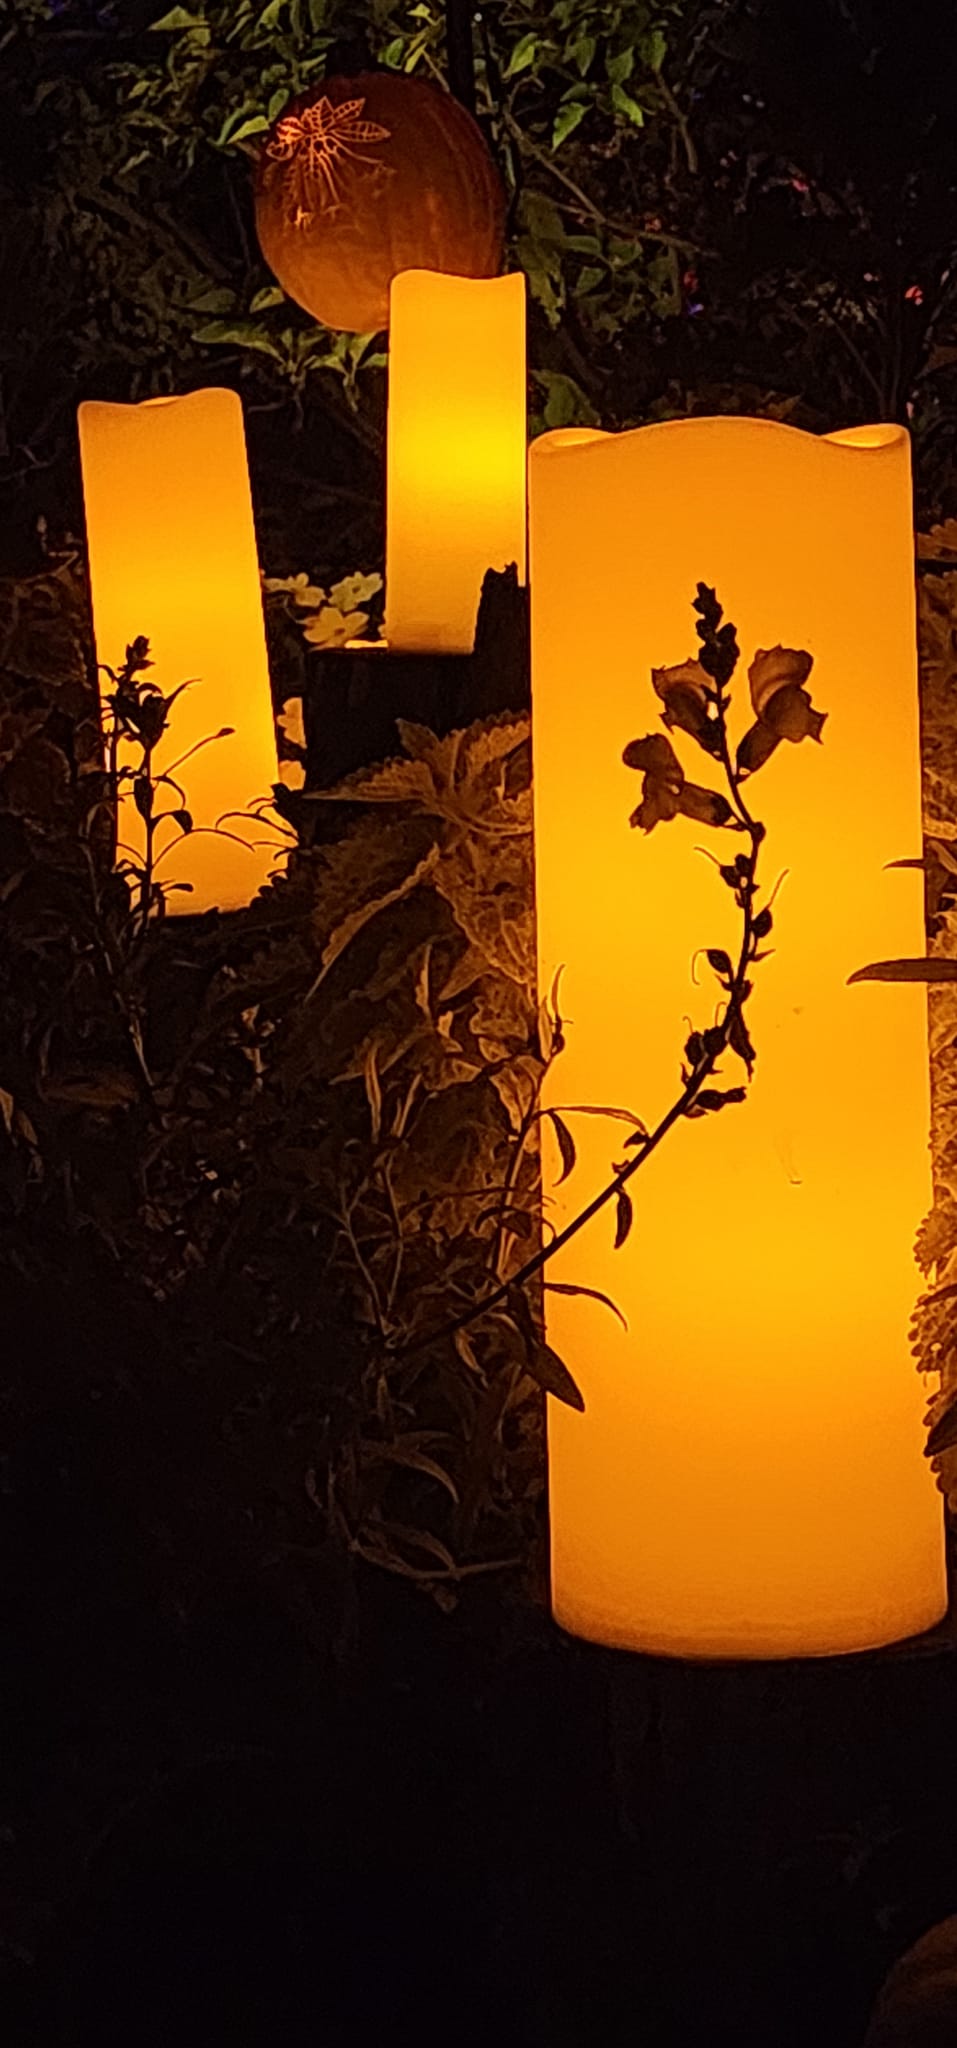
(880, 437)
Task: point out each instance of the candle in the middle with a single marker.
(455, 497)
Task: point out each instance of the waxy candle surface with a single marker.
(455, 466)
(748, 1479)
(172, 552)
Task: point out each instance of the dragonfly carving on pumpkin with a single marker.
(318, 145)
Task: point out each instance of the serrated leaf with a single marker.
(389, 782)
(624, 1217)
(355, 922)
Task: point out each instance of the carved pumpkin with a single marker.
(362, 177)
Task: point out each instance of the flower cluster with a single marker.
(693, 694)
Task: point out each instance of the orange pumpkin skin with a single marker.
(362, 177)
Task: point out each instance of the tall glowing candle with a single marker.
(172, 552)
(748, 1478)
(455, 466)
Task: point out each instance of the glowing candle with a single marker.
(455, 471)
(748, 1478)
(172, 553)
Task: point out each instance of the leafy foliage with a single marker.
(296, 1131)
(934, 1330)
(700, 233)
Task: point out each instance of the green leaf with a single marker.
(906, 970)
(177, 18)
(621, 67)
(254, 126)
(568, 118)
(624, 104)
(218, 299)
(523, 55)
(238, 334)
(653, 48)
(270, 295)
(566, 404)
(582, 53)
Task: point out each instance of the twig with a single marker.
(628, 229)
(687, 139)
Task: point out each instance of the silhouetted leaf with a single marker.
(593, 1294)
(566, 1145)
(906, 970)
(553, 1375)
(740, 1041)
(714, 1098)
(944, 1433)
(624, 1217)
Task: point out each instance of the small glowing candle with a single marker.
(172, 552)
(748, 1478)
(455, 472)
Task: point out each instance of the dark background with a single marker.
(219, 1817)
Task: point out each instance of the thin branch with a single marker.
(687, 139)
(587, 205)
